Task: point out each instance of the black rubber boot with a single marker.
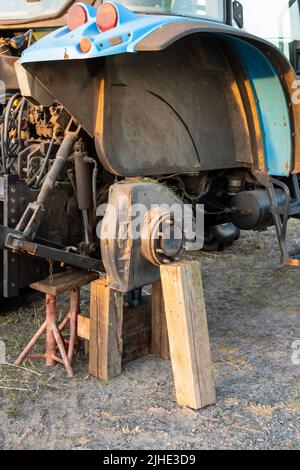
(220, 237)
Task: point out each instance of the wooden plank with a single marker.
(136, 331)
(64, 282)
(188, 334)
(160, 340)
(83, 327)
(106, 321)
(136, 345)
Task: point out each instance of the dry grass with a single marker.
(260, 410)
(293, 403)
(28, 381)
(229, 355)
(227, 348)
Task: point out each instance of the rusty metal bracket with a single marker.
(13, 240)
(281, 215)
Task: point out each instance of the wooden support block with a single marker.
(83, 327)
(188, 334)
(106, 320)
(160, 340)
(136, 331)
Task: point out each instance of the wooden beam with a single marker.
(106, 321)
(83, 327)
(64, 282)
(160, 340)
(136, 331)
(188, 334)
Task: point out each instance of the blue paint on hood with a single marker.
(131, 28)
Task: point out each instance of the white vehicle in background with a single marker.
(278, 21)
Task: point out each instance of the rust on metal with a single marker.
(115, 41)
(293, 262)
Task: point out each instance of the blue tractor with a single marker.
(152, 103)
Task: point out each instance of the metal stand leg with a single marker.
(61, 347)
(54, 339)
(30, 345)
(73, 315)
(50, 320)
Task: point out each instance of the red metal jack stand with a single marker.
(55, 341)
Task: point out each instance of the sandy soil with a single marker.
(253, 307)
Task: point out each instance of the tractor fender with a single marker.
(270, 78)
(282, 83)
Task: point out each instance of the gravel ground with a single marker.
(253, 307)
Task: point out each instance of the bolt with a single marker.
(18, 244)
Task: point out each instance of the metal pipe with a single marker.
(83, 179)
(228, 12)
(94, 179)
(61, 158)
(85, 221)
(45, 163)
